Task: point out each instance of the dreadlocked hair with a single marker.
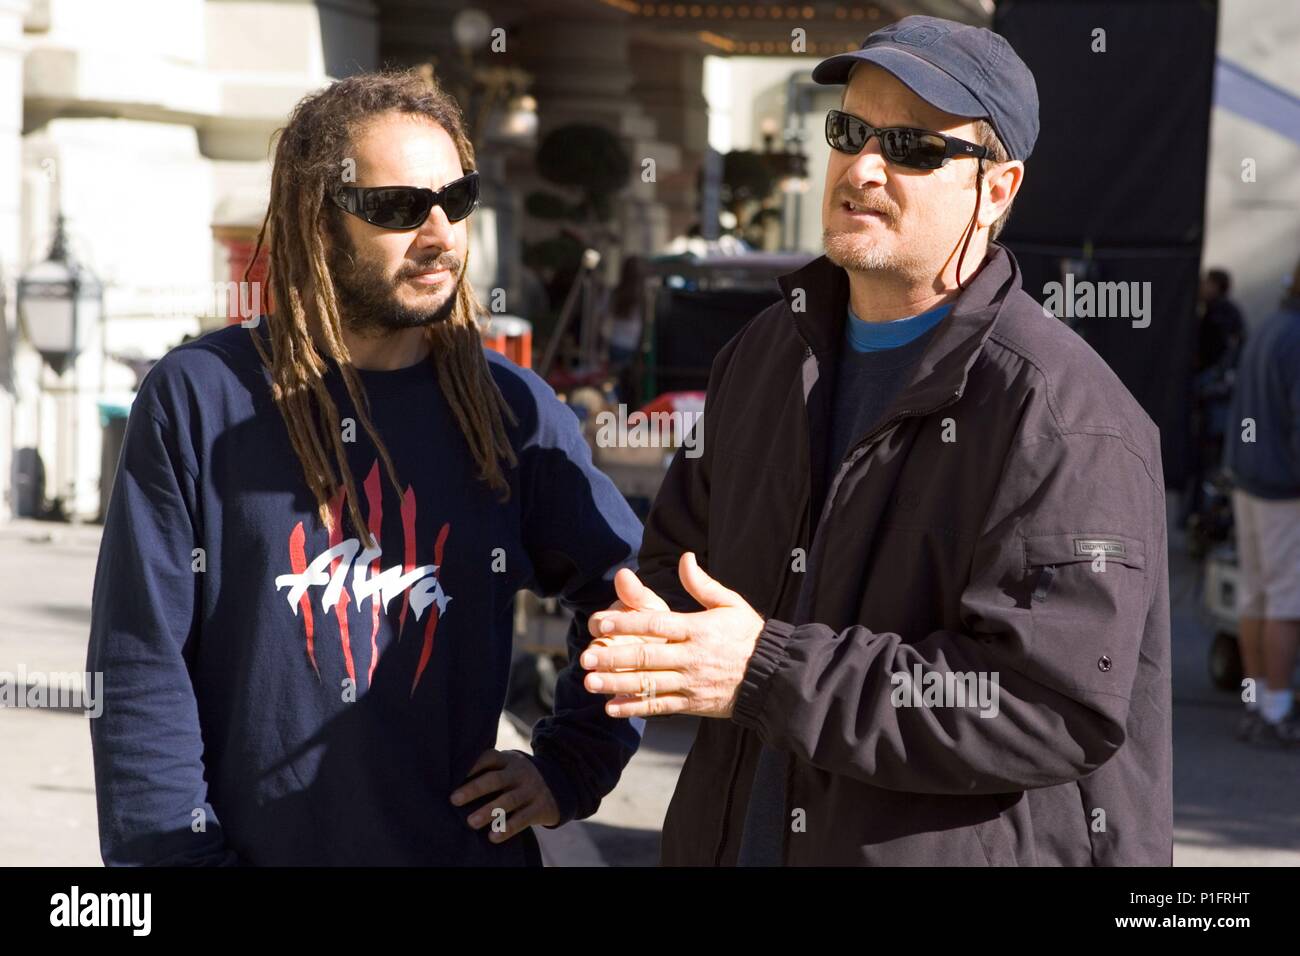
(310, 156)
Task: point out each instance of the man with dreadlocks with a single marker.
(302, 607)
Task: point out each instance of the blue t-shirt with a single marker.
(876, 362)
(304, 699)
(879, 336)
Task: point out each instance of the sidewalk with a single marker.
(1234, 805)
(47, 791)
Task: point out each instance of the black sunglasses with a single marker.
(407, 207)
(914, 148)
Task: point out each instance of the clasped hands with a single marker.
(651, 660)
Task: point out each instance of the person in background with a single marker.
(1222, 329)
(623, 315)
(1263, 461)
(1219, 340)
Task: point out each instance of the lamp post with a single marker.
(58, 299)
(471, 28)
(789, 167)
(498, 113)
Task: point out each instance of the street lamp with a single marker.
(58, 300)
(519, 121)
(789, 168)
(471, 28)
(497, 111)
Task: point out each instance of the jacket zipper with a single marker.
(735, 765)
(870, 438)
(830, 498)
(852, 455)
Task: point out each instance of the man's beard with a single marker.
(367, 295)
(858, 251)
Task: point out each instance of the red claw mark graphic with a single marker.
(432, 624)
(298, 561)
(341, 609)
(375, 499)
(408, 555)
(344, 561)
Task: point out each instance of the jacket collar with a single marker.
(941, 373)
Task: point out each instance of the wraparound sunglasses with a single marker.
(913, 148)
(407, 207)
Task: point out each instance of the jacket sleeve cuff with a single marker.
(557, 781)
(770, 653)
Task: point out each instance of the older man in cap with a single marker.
(934, 626)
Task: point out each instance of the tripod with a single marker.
(586, 289)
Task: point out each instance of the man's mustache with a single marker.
(868, 205)
(448, 261)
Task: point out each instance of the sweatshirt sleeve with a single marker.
(578, 530)
(1051, 625)
(148, 750)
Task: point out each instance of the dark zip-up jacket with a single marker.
(1004, 521)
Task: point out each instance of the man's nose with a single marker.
(868, 167)
(436, 231)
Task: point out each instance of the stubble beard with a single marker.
(858, 252)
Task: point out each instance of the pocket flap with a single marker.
(1073, 546)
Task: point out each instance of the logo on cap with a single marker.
(922, 35)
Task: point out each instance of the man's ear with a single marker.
(1001, 183)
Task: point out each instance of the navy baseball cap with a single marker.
(960, 69)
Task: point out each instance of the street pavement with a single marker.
(1234, 805)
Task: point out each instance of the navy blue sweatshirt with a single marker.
(277, 694)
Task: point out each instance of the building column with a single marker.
(582, 75)
(12, 13)
(669, 85)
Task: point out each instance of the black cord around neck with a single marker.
(970, 227)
